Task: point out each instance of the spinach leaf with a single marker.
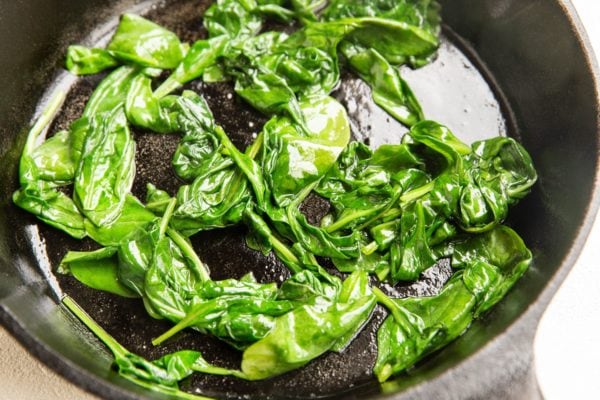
(202, 55)
(96, 269)
(39, 193)
(106, 169)
(501, 173)
(493, 262)
(490, 265)
(215, 199)
(137, 42)
(133, 217)
(198, 148)
(309, 331)
(240, 312)
(232, 18)
(170, 283)
(81, 60)
(390, 91)
(421, 13)
(419, 326)
(160, 375)
(293, 158)
(51, 206)
(51, 161)
(145, 110)
(136, 251)
(146, 44)
(306, 287)
(111, 92)
(397, 42)
(411, 254)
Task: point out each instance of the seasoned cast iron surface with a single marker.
(452, 90)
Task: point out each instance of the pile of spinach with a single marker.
(395, 211)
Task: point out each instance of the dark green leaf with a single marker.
(307, 332)
(96, 269)
(133, 217)
(51, 206)
(145, 44)
(84, 61)
(106, 169)
(390, 91)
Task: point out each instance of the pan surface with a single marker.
(500, 71)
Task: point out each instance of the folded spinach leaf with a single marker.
(96, 269)
(490, 265)
(51, 206)
(81, 60)
(146, 44)
(51, 161)
(240, 312)
(133, 217)
(421, 13)
(309, 331)
(111, 92)
(43, 169)
(390, 91)
(293, 158)
(146, 110)
(137, 42)
(106, 168)
(198, 151)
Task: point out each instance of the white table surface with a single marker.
(566, 369)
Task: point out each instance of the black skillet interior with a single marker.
(543, 92)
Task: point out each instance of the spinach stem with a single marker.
(382, 210)
(164, 222)
(121, 352)
(109, 341)
(172, 392)
(185, 246)
(251, 152)
(370, 248)
(183, 323)
(157, 203)
(342, 222)
(44, 120)
(168, 86)
(388, 303)
(392, 213)
(287, 254)
(377, 211)
(416, 193)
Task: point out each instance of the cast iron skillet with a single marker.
(533, 56)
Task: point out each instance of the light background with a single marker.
(567, 346)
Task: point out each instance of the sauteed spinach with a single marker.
(395, 211)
